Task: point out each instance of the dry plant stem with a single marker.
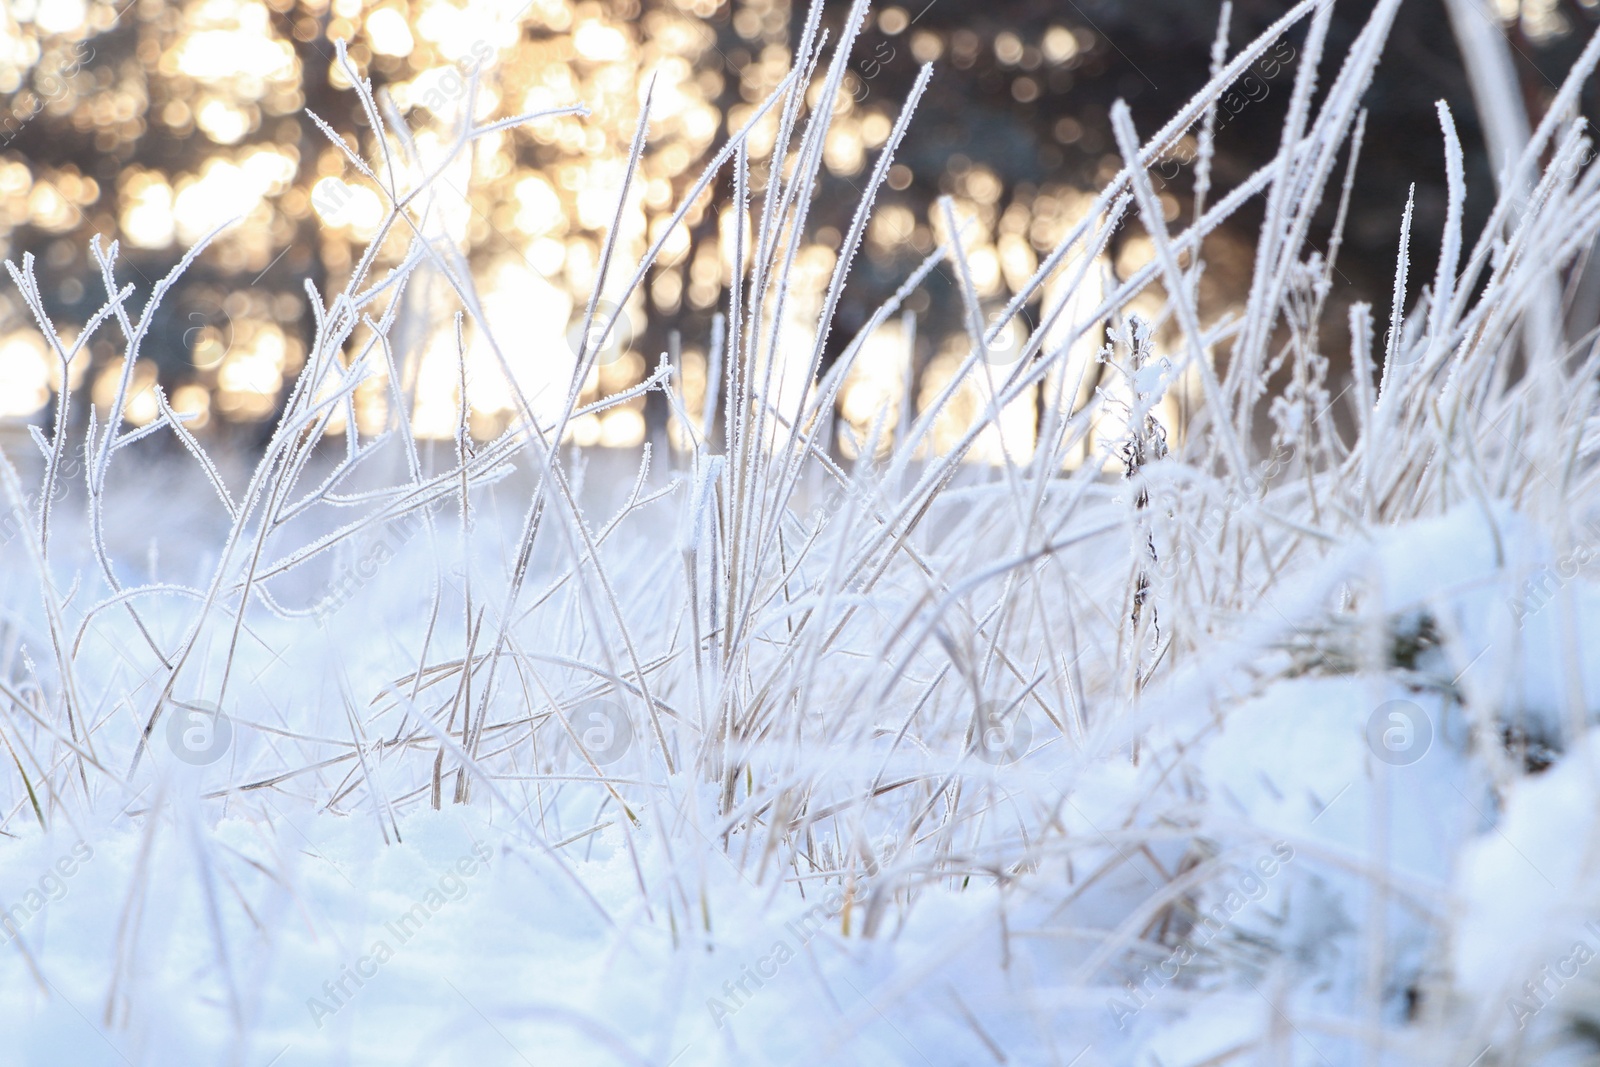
(816, 685)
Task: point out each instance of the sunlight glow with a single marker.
(24, 374)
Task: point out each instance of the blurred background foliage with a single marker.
(150, 122)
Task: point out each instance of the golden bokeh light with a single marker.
(532, 209)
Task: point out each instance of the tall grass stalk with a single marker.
(891, 675)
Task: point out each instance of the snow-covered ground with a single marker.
(1216, 718)
(1286, 817)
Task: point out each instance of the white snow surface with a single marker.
(465, 941)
